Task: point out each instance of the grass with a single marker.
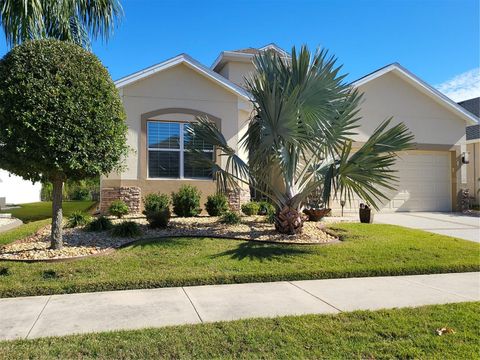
(22, 231)
(400, 334)
(367, 250)
(43, 210)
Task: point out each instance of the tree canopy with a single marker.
(60, 113)
(69, 20)
(300, 138)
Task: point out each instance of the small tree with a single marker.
(60, 118)
(300, 139)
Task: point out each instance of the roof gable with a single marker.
(189, 62)
(244, 55)
(422, 86)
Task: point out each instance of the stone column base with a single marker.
(237, 197)
(131, 195)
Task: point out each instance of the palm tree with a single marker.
(68, 20)
(300, 138)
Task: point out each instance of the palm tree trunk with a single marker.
(289, 221)
(57, 215)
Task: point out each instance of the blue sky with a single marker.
(436, 39)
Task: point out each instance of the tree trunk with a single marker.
(289, 221)
(57, 216)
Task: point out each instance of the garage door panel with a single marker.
(424, 184)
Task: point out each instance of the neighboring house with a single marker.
(473, 166)
(16, 190)
(162, 100)
(473, 150)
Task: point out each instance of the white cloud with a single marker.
(463, 86)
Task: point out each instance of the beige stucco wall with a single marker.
(236, 71)
(390, 95)
(473, 170)
(174, 88)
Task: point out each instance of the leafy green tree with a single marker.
(68, 20)
(300, 138)
(61, 117)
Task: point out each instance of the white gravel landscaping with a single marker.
(79, 242)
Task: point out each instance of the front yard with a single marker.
(400, 334)
(43, 210)
(366, 250)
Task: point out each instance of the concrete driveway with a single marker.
(451, 224)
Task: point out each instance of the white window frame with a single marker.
(181, 149)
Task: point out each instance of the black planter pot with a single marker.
(366, 215)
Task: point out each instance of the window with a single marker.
(168, 155)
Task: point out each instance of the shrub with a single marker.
(250, 208)
(118, 208)
(78, 218)
(186, 202)
(216, 204)
(230, 218)
(80, 193)
(265, 208)
(157, 210)
(126, 229)
(271, 217)
(100, 224)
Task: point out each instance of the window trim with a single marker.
(181, 149)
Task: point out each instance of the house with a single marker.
(16, 190)
(162, 100)
(472, 150)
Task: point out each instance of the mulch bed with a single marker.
(80, 243)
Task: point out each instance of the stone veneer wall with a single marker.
(132, 196)
(238, 197)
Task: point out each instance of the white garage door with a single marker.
(424, 184)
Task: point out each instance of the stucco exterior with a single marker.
(393, 96)
(237, 71)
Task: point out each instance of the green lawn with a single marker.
(43, 210)
(367, 250)
(22, 231)
(388, 334)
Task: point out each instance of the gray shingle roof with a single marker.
(473, 132)
(472, 105)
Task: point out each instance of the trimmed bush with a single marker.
(81, 194)
(126, 229)
(216, 204)
(250, 208)
(230, 218)
(101, 223)
(265, 208)
(118, 208)
(78, 218)
(186, 202)
(157, 210)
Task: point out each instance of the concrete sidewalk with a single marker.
(31, 317)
